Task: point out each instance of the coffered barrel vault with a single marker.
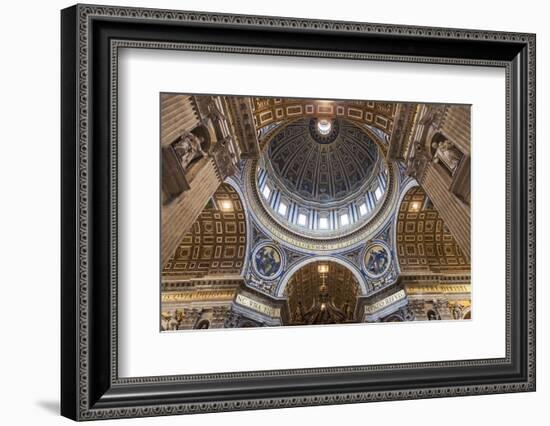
(216, 243)
(424, 242)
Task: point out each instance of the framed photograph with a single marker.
(263, 212)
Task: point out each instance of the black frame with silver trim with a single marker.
(90, 38)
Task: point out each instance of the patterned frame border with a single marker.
(85, 13)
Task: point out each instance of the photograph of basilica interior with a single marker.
(289, 211)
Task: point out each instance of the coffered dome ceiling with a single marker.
(321, 161)
(320, 179)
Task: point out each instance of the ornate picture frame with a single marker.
(91, 37)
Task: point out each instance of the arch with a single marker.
(233, 183)
(216, 243)
(298, 265)
(423, 242)
(411, 183)
(321, 297)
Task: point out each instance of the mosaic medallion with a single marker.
(377, 260)
(267, 261)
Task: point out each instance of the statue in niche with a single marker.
(189, 148)
(447, 153)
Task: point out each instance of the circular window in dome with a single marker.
(324, 130)
(324, 126)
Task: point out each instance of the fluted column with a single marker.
(455, 126)
(179, 215)
(448, 190)
(455, 213)
(177, 115)
(192, 173)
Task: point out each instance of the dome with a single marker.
(321, 177)
(320, 160)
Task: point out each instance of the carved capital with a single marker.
(402, 126)
(224, 159)
(242, 120)
(417, 161)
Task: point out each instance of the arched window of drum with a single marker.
(323, 220)
(302, 218)
(266, 191)
(282, 207)
(362, 206)
(344, 218)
